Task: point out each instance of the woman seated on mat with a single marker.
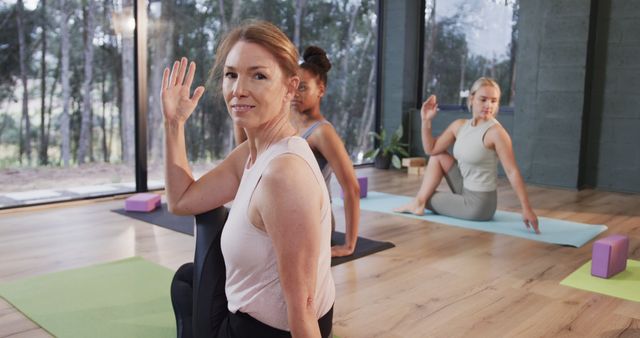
(324, 141)
(472, 171)
(276, 240)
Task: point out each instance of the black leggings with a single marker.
(198, 296)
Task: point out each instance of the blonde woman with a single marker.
(472, 171)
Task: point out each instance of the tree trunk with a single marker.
(103, 121)
(86, 123)
(514, 48)
(344, 122)
(300, 4)
(161, 45)
(25, 141)
(56, 78)
(368, 113)
(223, 17)
(66, 89)
(235, 12)
(430, 44)
(463, 68)
(128, 132)
(43, 87)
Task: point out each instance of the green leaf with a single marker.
(403, 152)
(374, 135)
(398, 132)
(372, 153)
(395, 160)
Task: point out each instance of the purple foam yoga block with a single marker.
(364, 183)
(144, 202)
(609, 256)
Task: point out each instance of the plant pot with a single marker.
(382, 162)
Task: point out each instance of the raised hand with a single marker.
(177, 105)
(429, 108)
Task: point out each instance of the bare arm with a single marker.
(498, 138)
(327, 141)
(185, 196)
(435, 145)
(291, 217)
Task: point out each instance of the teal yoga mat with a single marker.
(553, 231)
(127, 298)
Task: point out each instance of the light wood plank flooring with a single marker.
(439, 281)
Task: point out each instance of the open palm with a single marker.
(177, 105)
(429, 108)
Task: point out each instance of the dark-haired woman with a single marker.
(324, 141)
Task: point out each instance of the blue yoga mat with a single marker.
(553, 231)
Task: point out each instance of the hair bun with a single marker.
(318, 57)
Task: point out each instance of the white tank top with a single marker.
(253, 283)
(478, 165)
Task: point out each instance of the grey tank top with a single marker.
(325, 168)
(478, 165)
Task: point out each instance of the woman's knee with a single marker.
(182, 284)
(444, 160)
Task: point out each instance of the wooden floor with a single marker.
(439, 281)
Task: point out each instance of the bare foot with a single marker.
(414, 207)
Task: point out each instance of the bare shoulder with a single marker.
(323, 132)
(497, 135)
(497, 130)
(455, 125)
(287, 173)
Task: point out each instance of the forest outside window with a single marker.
(465, 40)
(67, 90)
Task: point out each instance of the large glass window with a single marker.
(67, 88)
(66, 101)
(345, 29)
(467, 39)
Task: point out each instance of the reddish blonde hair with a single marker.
(262, 33)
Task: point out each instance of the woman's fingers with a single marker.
(535, 226)
(174, 74)
(190, 74)
(182, 71)
(197, 94)
(165, 80)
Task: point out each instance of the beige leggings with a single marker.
(461, 202)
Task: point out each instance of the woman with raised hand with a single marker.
(325, 142)
(276, 240)
(472, 171)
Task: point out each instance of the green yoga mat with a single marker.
(553, 231)
(127, 298)
(625, 285)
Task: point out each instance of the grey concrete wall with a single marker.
(550, 82)
(613, 156)
(552, 86)
(400, 61)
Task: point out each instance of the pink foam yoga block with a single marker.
(144, 202)
(363, 182)
(609, 256)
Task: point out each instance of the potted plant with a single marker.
(388, 151)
